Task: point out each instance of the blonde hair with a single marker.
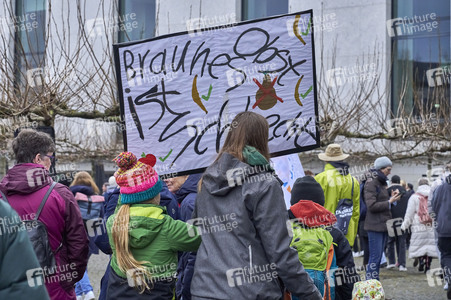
(124, 257)
(404, 184)
(83, 178)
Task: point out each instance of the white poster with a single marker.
(288, 168)
(180, 92)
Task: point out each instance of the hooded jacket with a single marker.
(422, 241)
(168, 200)
(337, 184)
(314, 215)
(17, 257)
(155, 237)
(313, 243)
(186, 197)
(88, 191)
(245, 241)
(25, 186)
(441, 206)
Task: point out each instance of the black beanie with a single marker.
(307, 188)
(395, 179)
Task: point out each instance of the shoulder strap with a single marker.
(420, 196)
(45, 200)
(89, 205)
(4, 197)
(352, 191)
(327, 284)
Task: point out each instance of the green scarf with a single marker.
(255, 158)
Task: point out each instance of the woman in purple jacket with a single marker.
(84, 184)
(25, 185)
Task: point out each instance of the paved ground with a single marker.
(410, 285)
(96, 268)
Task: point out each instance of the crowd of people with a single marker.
(201, 236)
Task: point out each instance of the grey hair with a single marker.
(423, 181)
(29, 143)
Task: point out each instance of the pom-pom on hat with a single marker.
(138, 181)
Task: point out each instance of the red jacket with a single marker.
(25, 186)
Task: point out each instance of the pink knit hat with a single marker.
(138, 181)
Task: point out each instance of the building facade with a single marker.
(399, 50)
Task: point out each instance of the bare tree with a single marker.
(354, 109)
(57, 70)
(61, 73)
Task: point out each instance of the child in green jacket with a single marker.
(144, 239)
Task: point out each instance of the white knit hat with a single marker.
(112, 182)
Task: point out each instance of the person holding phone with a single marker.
(378, 202)
(398, 210)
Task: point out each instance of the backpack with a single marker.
(91, 207)
(423, 213)
(344, 212)
(315, 251)
(37, 232)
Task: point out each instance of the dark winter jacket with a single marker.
(398, 209)
(111, 199)
(25, 186)
(245, 231)
(88, 191)
(376, 199)
(17, 259)
(441, 206)
(186, 196)
(119, 289)
(346, 265)
(168, 200)
(102, 241)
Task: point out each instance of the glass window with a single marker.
(136, 20)
(29, 25)
(256, 9)
(420, 33)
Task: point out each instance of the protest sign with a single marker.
(180, 92)
(288, 168)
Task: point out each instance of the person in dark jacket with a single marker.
(242, 213)
(378, 203)
(102, 241)
(184, 189)
(307, 188)
(17, 259)
(84, 184)
(409, 193)
(398, 210)
(441, 206)
(169, 200)
(25, 185)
